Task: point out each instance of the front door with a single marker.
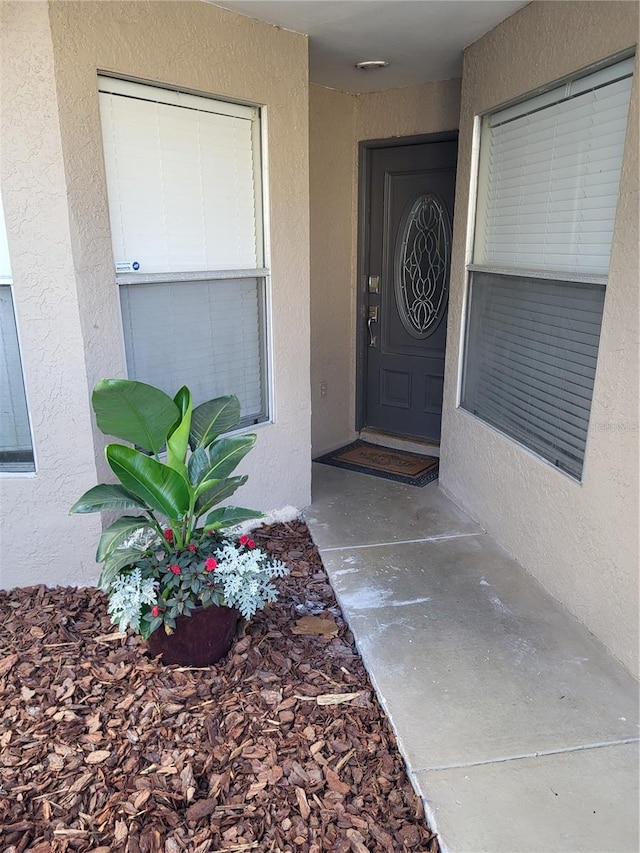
(410, 194)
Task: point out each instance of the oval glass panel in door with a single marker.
(422, 265)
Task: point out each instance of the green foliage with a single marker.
(194, 475)
(117, 532)
(211, 419)
(178, 471)
(158, 485)
(215, 571)
(107, 497)
(229, 516)
(134, 412)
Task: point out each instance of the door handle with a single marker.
(373, 318)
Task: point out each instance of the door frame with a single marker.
(365, 149)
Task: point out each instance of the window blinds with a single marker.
(531, 359)
(205, 334)
(16, 452)
(183, 179)
(549, 175)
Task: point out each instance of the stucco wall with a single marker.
(428, 108)
(579, 540)
(39, 542)
(338, 123)
(332, 178)
(193, 45)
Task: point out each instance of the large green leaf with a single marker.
(117, 532)
(134, 412)
(228, 516)
(107, 497)
(160, 486)
(214, 491)
(115, 561)
(226, 453)
(211, 419)
(198, 465)
(178, 439)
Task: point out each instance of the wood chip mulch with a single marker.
(282, 747)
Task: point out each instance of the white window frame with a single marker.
(475, 196)
(261, 271)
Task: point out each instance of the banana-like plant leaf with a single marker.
(134, 412)
(229, 516)
(115, 561)
(211, 419)
(198, 465)
(226, 453)
(117, 532)
(160, 486)
(214, 491)
(107, 497)
(178, 439)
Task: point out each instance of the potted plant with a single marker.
(171, 572)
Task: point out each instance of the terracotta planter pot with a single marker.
(198, 640)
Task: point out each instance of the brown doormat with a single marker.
(398, 465)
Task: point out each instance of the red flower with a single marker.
(243, 540)
(155, 611)
(175, 569)
(251, 544)
(192, 547)
(210, 564)
(168, 535)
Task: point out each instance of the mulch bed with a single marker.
(104, 749)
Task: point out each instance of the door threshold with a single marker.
(410, 443)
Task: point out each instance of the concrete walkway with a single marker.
(519, 730)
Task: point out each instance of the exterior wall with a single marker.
(428, 108)
(70, 318)
(332, 179)
(338, 123)
(579, 540)
(39, 541)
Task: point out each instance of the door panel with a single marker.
(411, 193)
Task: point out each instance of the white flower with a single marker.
(127, 594)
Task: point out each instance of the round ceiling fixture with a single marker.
(372, 64)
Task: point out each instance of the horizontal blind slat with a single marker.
(181, 186)
(206, 334)
(559, 431)
(530, 361)
(574, 146)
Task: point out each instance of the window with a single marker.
(16, 448)
(547, 192)
(185, 205)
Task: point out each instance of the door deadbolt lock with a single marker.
(374, 284)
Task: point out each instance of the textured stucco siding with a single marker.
(39, 542)
(338, 123)
(333, 166)
(428, 108)
(192, 45)
(579, 540)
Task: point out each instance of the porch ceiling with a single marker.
(421, 39)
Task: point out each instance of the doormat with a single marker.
(399, 465)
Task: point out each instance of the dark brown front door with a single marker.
(410, 193)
